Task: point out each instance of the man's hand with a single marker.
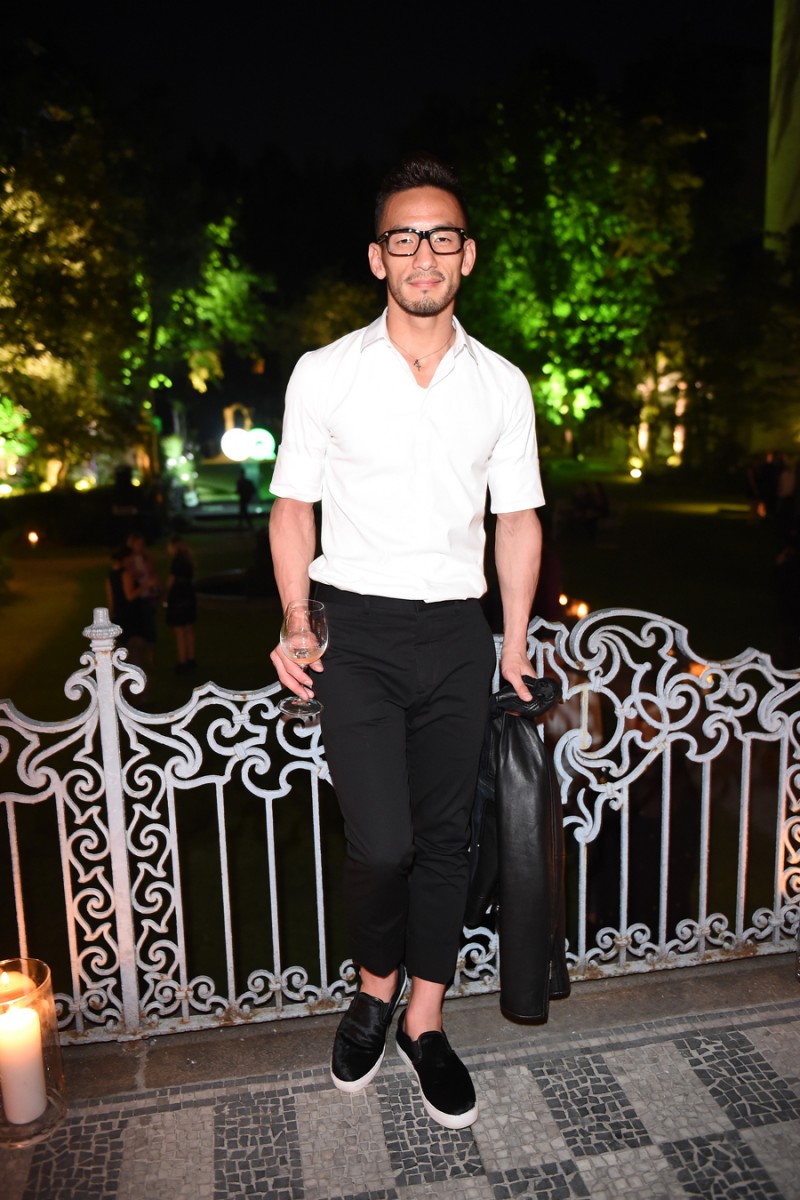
(292, 675)
(513, 665)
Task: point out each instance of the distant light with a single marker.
(636, 473)
(5, 489)
(83, 485)
(136, 482)
(33, 538)
(256, 444)
(235, 444)
(262, 444)
(578, 608)
(45, 487)
(563, 600)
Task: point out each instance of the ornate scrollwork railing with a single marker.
(188, 854)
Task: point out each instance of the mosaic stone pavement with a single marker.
(702, 1107)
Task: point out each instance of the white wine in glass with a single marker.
(304, 637)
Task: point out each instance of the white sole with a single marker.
(358, 1085)
(449, 1120)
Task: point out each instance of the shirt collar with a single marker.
(376, 332)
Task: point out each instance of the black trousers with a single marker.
(405, 691)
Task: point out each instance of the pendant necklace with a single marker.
(417, 362)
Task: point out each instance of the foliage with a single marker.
(742, 348)
(16, 440)
(580, 219)
(184, 330)
(65, 291)
(331, 309)
(119, 274)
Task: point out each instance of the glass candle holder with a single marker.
(32, 1087)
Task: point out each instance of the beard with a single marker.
(425, 305)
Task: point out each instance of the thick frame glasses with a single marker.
(444, 239)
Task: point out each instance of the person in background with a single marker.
(147, 589)
(122, 595)
(246, 490)
(181, 603)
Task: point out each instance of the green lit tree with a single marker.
(185, 326)
(579, 220)
(65, 289)
(119, 276)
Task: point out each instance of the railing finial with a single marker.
(102, 630)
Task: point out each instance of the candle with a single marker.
(22, 1080)
(13, 985)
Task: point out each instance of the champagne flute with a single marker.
(304, 637)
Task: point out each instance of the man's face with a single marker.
(424, 284)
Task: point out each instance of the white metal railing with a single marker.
(181, 880)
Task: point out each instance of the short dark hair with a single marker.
(417, 171)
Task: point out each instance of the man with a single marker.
(398, 429)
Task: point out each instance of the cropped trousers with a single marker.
(405, 690)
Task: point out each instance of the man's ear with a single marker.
(470, 253)
(376, 261)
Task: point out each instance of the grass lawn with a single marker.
(677, 550)
(682, 552)
(52, 598)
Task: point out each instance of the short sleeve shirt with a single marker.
(402, 471)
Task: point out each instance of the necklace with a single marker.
(417, 362)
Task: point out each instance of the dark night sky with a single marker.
(330, 79)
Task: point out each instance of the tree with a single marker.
(581, 218)
(119, 275)
(743, 350)
(65, 288)
(183, 330)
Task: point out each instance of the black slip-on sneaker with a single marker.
(360, 1042)
(444, 1081)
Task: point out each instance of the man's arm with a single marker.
(292, 540)
(518, 553)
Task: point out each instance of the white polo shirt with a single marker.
(401, 470)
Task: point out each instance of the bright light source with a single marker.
(562, 600)
(578, 608)
(33, 538)
(235, 444)
(262, 444)
(636, 473)
(256, 444)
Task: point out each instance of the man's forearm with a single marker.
(518, 553)
(292, 540)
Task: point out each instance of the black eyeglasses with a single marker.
(444, 239)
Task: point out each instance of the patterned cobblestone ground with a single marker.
(701, 1107)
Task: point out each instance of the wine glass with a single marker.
(304, 637)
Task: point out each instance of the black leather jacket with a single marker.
(517, 855)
